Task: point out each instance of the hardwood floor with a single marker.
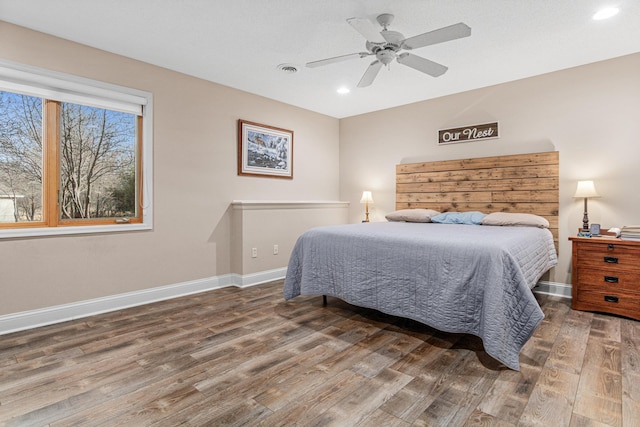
(246, 357)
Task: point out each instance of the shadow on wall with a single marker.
(487, 148)
(221, 237)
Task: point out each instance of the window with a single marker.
(75, 155)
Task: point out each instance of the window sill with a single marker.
(66, 231)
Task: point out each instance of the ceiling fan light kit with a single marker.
(386, 45)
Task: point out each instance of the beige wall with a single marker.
(263, 225)
(590, 114)
(195, 182)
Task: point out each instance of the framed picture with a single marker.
(264, 150)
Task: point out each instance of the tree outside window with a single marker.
(96, 169)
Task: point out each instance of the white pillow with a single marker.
(507, 218)
(412, 215)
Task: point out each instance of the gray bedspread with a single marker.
(456, 278)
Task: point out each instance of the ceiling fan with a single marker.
(387, 45)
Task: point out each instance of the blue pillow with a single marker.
(472, 218)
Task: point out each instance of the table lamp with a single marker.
(366, 199)
(586, 190)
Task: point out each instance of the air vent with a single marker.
(288, 68)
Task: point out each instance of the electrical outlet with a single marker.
(254, 252)
(275, 249)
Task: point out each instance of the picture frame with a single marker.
(264, 150)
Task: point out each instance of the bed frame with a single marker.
(525, 183)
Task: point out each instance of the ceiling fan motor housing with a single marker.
(386, 52)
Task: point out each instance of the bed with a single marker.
(459, 278)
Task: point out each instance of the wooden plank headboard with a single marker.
(526, 183)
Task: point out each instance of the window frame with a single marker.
(56, 87)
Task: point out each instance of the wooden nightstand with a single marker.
(605, 275)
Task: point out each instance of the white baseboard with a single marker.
(61, 313)
(553, 288)
(258, 278)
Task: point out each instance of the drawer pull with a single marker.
(610, 298)
(610, 246)
(611, 259)
(611, 279)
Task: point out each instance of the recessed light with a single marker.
(605, 13)
(343, 90)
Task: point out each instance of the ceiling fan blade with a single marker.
(421, 64)
(335, 59)
(444, 34)
(367, 29)
(369, 76)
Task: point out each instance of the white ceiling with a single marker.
(240, 43)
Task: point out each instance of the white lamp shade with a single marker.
(586, 189)
(366, 197)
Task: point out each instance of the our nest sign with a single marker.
(468, 133)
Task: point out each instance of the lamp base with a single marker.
(585, 218)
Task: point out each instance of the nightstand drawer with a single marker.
(610, 278)
(626, 304)
(609, 255)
